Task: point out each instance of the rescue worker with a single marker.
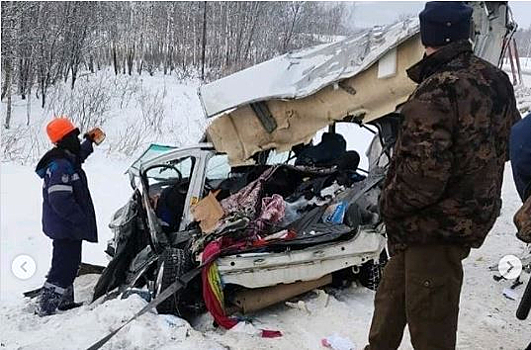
(68, 215)
(521, 156)
(442, 192)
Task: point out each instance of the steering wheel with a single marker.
(163, 167)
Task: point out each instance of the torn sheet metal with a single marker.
(303, 72)
(362, 77)
(240, 133)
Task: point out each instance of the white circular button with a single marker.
(23, 267)
(510, 267)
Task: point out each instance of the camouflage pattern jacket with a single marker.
(444, 180)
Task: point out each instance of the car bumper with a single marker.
(257, 270)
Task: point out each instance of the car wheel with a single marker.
(370, 272)
(173, 263)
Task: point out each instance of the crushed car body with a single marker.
(265, 214)
(281, 224)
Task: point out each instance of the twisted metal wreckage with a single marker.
(226, 225)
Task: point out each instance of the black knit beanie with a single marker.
(443, 22)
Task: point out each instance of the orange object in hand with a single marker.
(96, 135)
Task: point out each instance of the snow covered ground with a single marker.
(487, 318)
(21, 231)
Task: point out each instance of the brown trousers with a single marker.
(420, 287)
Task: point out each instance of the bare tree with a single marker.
(46, 42)
(203, 41)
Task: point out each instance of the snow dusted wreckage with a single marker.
(255, 215)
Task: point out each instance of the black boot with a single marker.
(50, 299)
(67, 301)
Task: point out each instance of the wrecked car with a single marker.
(261, 211)
(298, 226)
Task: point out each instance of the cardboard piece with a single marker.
(208, 212)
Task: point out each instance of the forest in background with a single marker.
(47, 42)
(523, 41)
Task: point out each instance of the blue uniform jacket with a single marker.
(67, 208)
(520, 148)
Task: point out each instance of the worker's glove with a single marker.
(95, 135)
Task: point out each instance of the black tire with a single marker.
(173, 263)
(371, 272)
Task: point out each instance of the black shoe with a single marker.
(50, 299)
(67, 301)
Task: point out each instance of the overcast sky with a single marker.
(369, 13)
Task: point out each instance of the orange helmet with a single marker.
(59, 128)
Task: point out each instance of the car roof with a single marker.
(300, 73)
(285, 101)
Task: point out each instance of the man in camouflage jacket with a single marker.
(442, 192)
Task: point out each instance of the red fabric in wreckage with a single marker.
(210, 253)
(247, 200)
(272, 211)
